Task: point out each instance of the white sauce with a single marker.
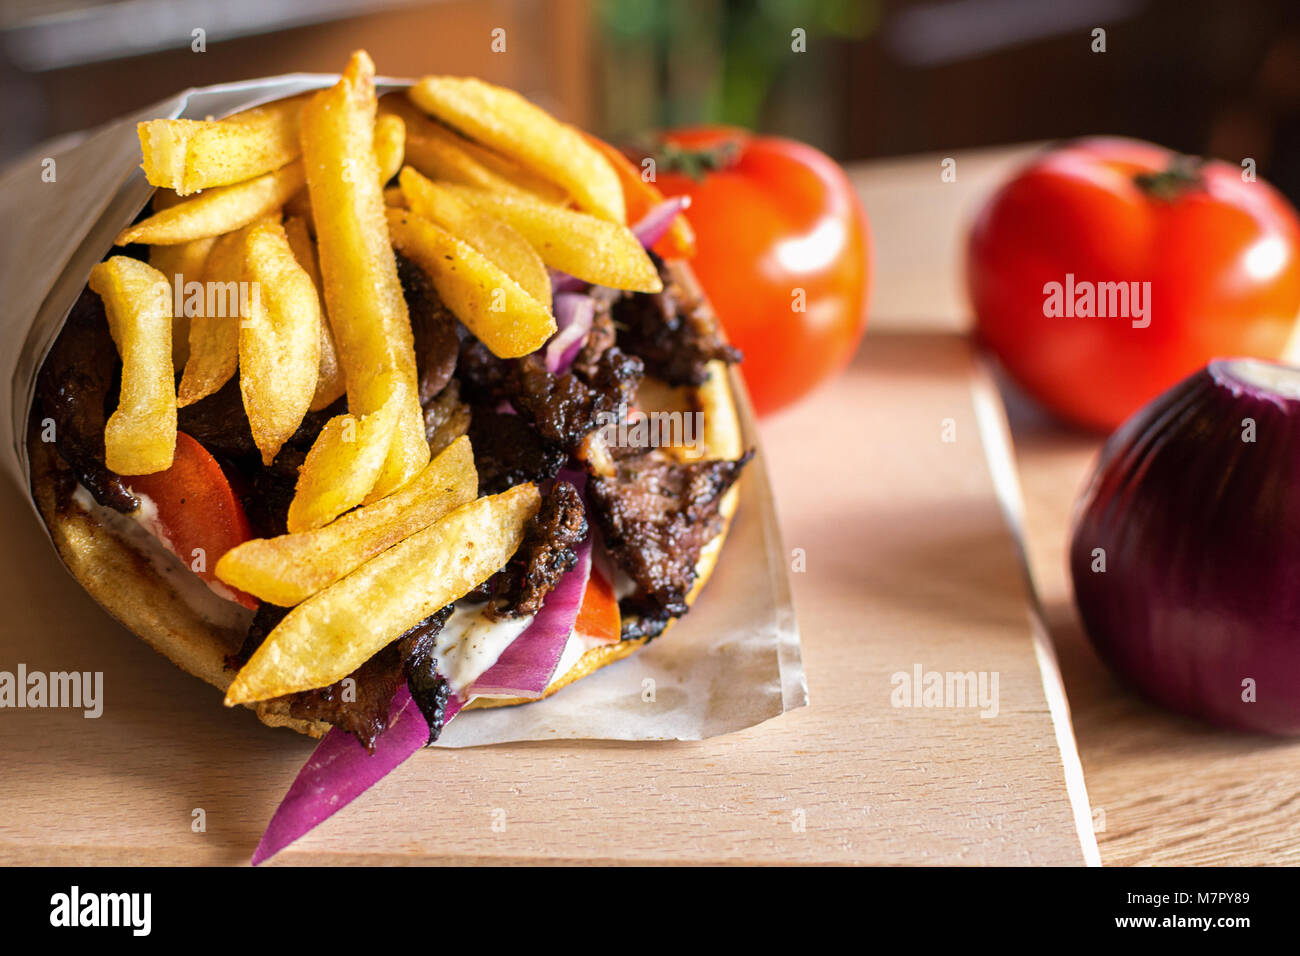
(137, 530)
(147, 517)
(574, 648)
(470, 643)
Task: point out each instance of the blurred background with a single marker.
(877, 78)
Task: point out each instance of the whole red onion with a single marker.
(1186, 547)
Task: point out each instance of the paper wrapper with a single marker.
(731, 663)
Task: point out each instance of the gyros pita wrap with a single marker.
(396, 474)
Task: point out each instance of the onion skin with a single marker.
(1201, 534)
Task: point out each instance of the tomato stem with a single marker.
(1181, 175)
(693, 162)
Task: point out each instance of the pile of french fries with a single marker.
(295, 200)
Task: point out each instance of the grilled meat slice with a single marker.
(446, 418)
(428, 688)
(481, 374)
(656, 516)
(565, 408)
(74, 388)
(266, 619)
(508, 452)
(674, 331)
(266, 491)
(602, 335)
(359, 703)
(435, 330)
(546, 554)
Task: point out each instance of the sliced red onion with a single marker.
(1185, 554)
(658, 220)
(563, 282)
(648, 231)
(528, 664)
(574, 313)
(340, 770)
(574, 476)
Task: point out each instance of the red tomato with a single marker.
(640, 196)
(1222, 257)
(598, 617)
(198, 512)
(783, 251)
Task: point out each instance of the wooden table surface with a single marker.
(907, 562)
(1164, 789)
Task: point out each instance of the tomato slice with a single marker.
(199, 516)
(640, 197)
(598, 618)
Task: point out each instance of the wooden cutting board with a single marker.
(904, 560)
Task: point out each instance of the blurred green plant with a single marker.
(675, 62)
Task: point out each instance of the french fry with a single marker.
(441, 153)
(279, 340)
(363, 296)
(508, 123)
(343, 465)
(180, 265)
(140, 437)
(490, 236)
(291, 568)
(214, 330)
(594, 250)
(217, 211)
(184, 261)
(492, 305)
(390, 141)
(189, 155)
(442, 160)
(332, 633)
(330, 384)
(522, 178)
(640, 196)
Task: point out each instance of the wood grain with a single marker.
(1165, 789)
(908, 562)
